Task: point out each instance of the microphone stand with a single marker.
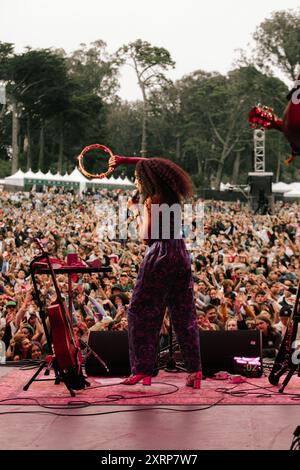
(169, 365)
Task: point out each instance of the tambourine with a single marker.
(119, 160)
(92, 175)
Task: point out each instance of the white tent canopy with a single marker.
(99, 181)
(75, 177)
(128, 182)
(50, 177)
(20, 178)
(281, 187)
(39, 175)
(29, 174)
(57, 177)
(118, 180)
(112, 181)
(17, 179)
(293, 193)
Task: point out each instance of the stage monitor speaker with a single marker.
(260, 183)
(218, 349)
(112, 348)
(261, 198)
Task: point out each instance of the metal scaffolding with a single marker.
(259, 151)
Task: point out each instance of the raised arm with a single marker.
(117, 160)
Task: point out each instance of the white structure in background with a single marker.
(17, 179)
(51, 177)
(2, 93)
(224, 187)
(128, 182)
(293, 193)
(29, 174)
(281, 187)
(39, 175)
(77, 177)
(98, 181)
(20, 178)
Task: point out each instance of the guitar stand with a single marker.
(60, 376)
(287, 358)
(72, 376)
(288, 377)
(290, 363)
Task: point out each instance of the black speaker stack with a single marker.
(261, 198)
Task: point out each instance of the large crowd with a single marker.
(246, 268)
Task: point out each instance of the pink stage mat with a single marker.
(166, 389)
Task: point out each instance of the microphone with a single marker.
(136, 197)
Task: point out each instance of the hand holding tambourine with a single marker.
(113, 162)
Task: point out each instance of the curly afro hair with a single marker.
(163, 178)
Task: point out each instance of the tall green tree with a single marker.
(36, 89)
(165, 121)
(149, 63)
(84, 123)
(42, 89)
(215, 135)
(123, 127)
(278, 43)
(94, 70)
(6, 76)
(6, 52)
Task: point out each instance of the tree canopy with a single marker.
(57, 103)
(277, 43)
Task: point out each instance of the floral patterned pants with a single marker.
(164, 280)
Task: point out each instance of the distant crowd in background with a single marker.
(246, 271)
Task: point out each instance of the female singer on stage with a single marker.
(164, 278)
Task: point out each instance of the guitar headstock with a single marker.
(261, 117)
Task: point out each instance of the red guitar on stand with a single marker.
(289, 125)
(65, 355)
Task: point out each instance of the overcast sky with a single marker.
(199, 34)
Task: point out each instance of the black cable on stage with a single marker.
(109, 397)
(82, 403)
(155, 408)
(112, 399)
(232, 392)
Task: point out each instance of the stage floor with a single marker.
(129, 427)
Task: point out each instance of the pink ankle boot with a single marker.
(194, 380)
(134, 379)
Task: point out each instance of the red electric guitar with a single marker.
(66, 357)
(289, 125)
